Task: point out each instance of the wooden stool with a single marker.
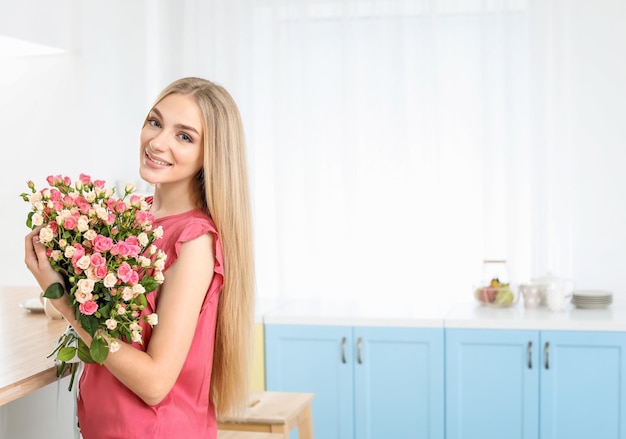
(225, 434)
(275, 412)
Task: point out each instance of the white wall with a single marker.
(80, 111)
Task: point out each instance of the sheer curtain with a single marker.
(394, 144)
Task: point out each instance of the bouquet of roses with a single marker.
(103, 247)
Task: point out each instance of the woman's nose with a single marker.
(156, 144)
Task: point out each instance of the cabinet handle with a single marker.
(547, 353)
(359, 343)
(530, 354)
(343, 350)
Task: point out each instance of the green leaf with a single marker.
(83, 352)
(89, 324)
(54, 291)
(29, 220)
(66, 354)
(149, 283)
(99, 350)
(142, 298)
(105, 311)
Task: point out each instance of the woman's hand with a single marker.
(39, 265)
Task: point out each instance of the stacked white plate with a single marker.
(591, 299)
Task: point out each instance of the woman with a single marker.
(192, 367)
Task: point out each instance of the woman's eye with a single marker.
(154, 123)
(185, 138)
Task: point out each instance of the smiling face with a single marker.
(171, 142)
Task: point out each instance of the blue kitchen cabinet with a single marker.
(369, 382)
(492, 384)
(583, 385)
(314, 359)
(535, 384)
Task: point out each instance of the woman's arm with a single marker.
(151, 374)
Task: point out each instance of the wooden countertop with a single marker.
(26, 339)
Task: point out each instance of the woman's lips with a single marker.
(156, 160)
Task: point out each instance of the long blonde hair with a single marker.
(223, 192)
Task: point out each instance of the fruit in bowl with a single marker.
(496, 294)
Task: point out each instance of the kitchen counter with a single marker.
(473, 315)
(26, 339)
(356, 313)
(462, 315)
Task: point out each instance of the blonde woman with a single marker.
(192, 367)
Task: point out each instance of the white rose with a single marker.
(129, 187)
(114, 346)
(37, 219)
(144, 205)
(78, 184)
(109, 193)
(102, 213)
(35, 198)
(62, 243)
(69, 251)
(85, 286)
(138, 289)
(127, 294)
(121, 310)
(134, 326)
(83, 262)
(83, 292)
(152, 319)
(90, 234)
(158, 276)
(158, 232)
(142, 238)
(90, 196)
(82, 224)
(159, 264)
(110, 280)
(143, 261)
(56, 255)
(46, 235)
(91, 273)
(111, 324)
(153, 249)
(136, 337)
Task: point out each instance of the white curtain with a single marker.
(395, 144)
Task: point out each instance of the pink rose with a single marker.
(125, 272)
(50, 180)
(134, 278)
(132, 240)
(111, 203)
(97, 259)
(70, 222)
(120, 207)
(110, 220)
(55, 195)
(69, 201)
(88, 308)
(67, 181)
(84, 179)
(121, 248)
(135, 200)
(99, 184)
(100, 271)
(102, 243)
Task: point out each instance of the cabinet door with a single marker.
(315, 359)
(583, 383)
(398, 383)
(492, 384)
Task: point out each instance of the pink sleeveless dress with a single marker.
(107, 409)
